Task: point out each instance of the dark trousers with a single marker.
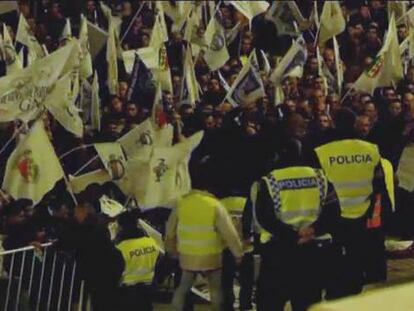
(290, 273)
(246, 280)
(136, 297)
(361, 256)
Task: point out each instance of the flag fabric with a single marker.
(9, 54)
(67, 31)
(139, 141)
(287, 18)
(7, 6)
(217, 54)
(85, 102)
(159, 33)
(332, 21)
(338, 65)
(110, 207)
(223, 81)
(95, 113)
(191, 83)
(23, 34)
(79, 183)
(250, 8)
(398, 8)
(165, 181)
(178, 12)
(158, 116)
(266, 65)
(85, 69)
(113, 159)
(33, 168)
(97, 38)
(142, 82)
(386, 68)
(112, 60)
(292, 63)
(23, 92)
(193, 32)
(248, 86)
(61, 104)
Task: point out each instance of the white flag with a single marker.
(217, 54)
(23, 92)
(33, 168)
(95, 104)
(61, 104)
(85, 69)
(248, 86)
(112, 60)
(9, 54)
(113, 159)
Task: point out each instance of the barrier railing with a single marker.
(40, 279)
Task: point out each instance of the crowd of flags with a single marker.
(144, 163)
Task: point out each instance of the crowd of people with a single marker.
(241, 144)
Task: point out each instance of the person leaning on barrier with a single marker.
(288, 210)
(140, 253)
(354, 168)
(195, 231)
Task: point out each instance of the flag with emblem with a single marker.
(287, 18)
(250, 8)
(248, 86)
(8, 52)
(139, 141)
(33, 168)
(332, 21)
(112, 59)
(23, 92)
(217, 54)
(95, 104)
(85, 69)
(194, 33)
(61, 104)
(113, 159)
(292, 63)
(167, 180)
(386, 69)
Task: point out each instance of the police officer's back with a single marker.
(140, 253)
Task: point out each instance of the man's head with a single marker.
(82, 211)
(363, 125)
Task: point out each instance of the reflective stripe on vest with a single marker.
(349, 165)
(265, 236)
(297, 193)
(196, 224)
(140, 256)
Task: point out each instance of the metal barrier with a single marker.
(40, 279)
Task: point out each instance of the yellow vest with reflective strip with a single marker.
(196, 224)
(235, 207)
(349, 165)
(140, 256)
(297, 193)
(265, 236)
(389, 180)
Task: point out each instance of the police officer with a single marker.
(353, 167)
(140, 254)
(287, 209)
(235, 206)
(195, 231)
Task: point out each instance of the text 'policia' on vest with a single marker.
(345, 159)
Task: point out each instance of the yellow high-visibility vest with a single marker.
(297, 193)
(140, 256)
(196, 231)
(265, 236)
(349, 165)
(389, 180)
(235, 207)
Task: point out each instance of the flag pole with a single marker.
(132, 21)
(74, 149)
(183, 80)
(70, 190)
(86, 165)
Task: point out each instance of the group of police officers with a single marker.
(320, 228)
